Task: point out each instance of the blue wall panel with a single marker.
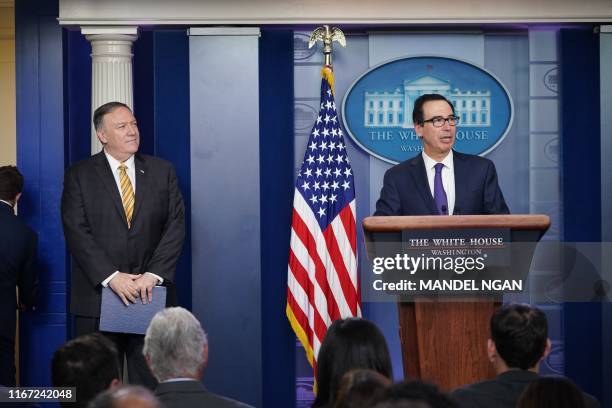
(40, 156)
(579, 56)
(171, 126)
(144, 89)
(276, 194)
(77, 94)
(225, 190)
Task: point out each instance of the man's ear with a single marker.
(491, 351)
(418, 129)
(546, 349)
(205, 354)
(114, 383)
(101, 136)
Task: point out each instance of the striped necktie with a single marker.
(127, 194)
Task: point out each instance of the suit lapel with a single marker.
(4, 207)
(142, 184)
(461, 174)
(108, 180)
(419, 176)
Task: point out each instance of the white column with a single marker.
(111, 73)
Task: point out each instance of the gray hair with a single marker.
(174, 343)
(98, 116)
(124, 396)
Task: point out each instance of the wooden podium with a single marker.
(445, 342)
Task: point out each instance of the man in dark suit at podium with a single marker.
(440, 181)
(17, 268)
(123, 217)
(519, 342)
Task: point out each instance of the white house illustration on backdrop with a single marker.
(394, 109)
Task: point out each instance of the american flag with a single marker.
(322, 278)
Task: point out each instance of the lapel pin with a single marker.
(142, 171)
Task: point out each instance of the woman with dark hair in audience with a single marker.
(551, 392)
(415, 394)
(361, 389)
(349, 344)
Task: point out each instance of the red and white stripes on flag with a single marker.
(322, 280)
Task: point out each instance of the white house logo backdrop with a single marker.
(377, 108)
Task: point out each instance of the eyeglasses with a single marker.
(439, 121)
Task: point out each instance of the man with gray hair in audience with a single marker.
(131, 396)
(176, 350)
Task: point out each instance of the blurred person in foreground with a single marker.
(89, 363)
(415, 394)
(132, 396)
(361, 389)
(552, 392)
(349, 344)
(176, 350)
(519, 343)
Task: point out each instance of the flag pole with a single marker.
(327, 36)
(322, 278)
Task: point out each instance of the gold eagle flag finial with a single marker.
(328, 36)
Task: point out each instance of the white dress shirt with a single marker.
(448, 178)
(131, 172)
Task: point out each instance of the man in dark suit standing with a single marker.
(176, 350)
(18, 245)
(519, 342)
(123, 218)
(440, 181)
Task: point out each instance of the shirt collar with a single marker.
(177, 379)
(430, 163)
(114, 163)
(7, 203)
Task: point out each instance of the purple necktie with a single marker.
(439, 193)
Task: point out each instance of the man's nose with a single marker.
(132, 129)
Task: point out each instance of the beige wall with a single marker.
(8, 152)
(193, 12)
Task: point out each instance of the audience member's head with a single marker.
(11, 184)
(519, 338)
(349, 344)
(89, 363)
(175, 345)
(125, 397)
(415, 394)
(551, 392)
(361, 389)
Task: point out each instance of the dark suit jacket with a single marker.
(97, 233)
(503, 391)
(186, 394)
(406, 190)
(17, 268)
